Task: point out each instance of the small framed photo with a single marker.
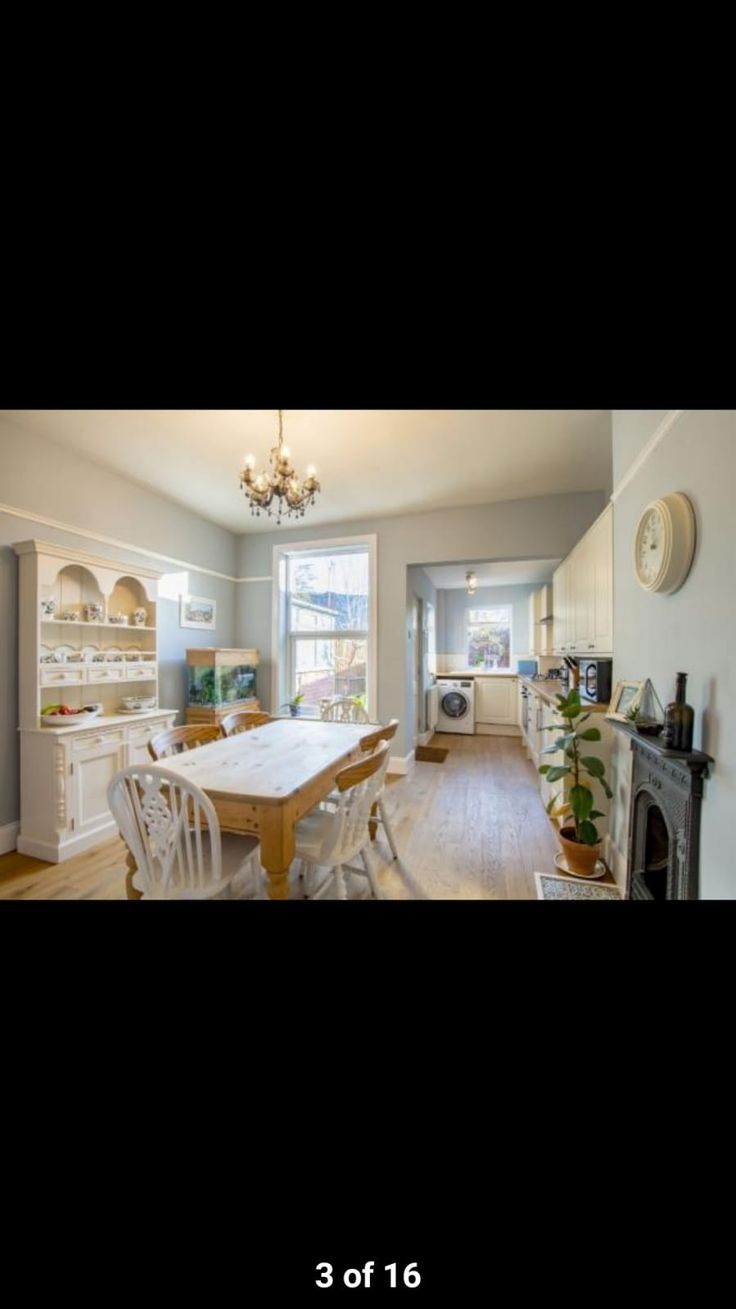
(626, 697)
(196, 612)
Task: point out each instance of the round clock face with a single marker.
(650, 547)
(665, 543)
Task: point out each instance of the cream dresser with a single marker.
(73, 649)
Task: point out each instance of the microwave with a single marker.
(595, 680)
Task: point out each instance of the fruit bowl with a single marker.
(69, 720)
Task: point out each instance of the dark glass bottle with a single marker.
(677, 733)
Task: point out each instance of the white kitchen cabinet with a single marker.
(602, 548)
(495, 700)
(583, 594)
(560, 590)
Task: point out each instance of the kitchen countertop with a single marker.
(464, 672)
(548, 690)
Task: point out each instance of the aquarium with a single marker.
(220, 677)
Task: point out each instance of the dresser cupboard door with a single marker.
(95, 761)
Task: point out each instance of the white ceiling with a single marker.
(451, 577)
(370, 461)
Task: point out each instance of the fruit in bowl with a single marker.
(65, 715)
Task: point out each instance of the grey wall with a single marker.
(694, 630)
(421, 587)
(538, 528)
(633, 429)
(453, 635)
(41, 478)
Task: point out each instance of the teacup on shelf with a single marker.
(48, 608)
(140, 617)
(93, 613)
(121, 620)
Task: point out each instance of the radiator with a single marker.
(433, 705)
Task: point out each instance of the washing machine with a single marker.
(456, 709)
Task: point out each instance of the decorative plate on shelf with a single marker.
(89, 652)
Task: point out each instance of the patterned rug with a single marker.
(552, 887)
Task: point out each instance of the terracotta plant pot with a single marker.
(580, 859)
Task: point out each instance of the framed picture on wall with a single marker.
(196, 612)
(626, 697)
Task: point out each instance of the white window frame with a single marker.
(279, 652)
(484, 608)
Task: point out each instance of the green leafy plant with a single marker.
(633, 713)
(576, 765)
(294, 703)
(359, 699)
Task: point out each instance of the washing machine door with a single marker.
(455, 705)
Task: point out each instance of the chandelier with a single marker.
(281, 481)
(471, 582)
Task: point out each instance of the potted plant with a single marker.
(579, 838)
(294, 705)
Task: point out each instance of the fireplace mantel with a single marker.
(671, 781)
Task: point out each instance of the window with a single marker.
(489, 637)
(326, 625)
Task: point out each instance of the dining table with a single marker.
(264, 780)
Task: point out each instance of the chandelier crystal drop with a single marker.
(292, 494)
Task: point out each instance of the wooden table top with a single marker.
(269, 764)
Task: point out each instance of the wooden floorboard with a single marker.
(471, 828)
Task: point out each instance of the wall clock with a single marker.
(665, 543)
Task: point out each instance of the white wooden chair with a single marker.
(243, 720)
(379, 814)
(172, 831)
(343, 710)
(331, 838)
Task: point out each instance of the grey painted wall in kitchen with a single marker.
(633, 429)
(537, 528)
(421, 587)
(453, 636)
(693, 630)
(38, 476)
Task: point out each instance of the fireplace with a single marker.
(664, 821)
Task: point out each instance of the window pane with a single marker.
(329, 668)
(489, 637)
(329, 591)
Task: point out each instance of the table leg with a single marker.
(372, 824)
(277, 853)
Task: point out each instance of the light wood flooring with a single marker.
(471, 828)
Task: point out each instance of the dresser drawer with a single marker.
(92, 743)
(106, 673)
(69, 675)
(140, 672)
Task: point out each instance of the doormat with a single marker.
(551, 887)
(430, 754)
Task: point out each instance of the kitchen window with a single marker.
(325, 605)
(489, 638)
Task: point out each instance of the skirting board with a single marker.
(9, 837)
(401, 764)
(497, 729)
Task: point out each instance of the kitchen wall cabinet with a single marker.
(583, 594)
(496, 700)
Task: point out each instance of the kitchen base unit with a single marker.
(65, 773)
(496, 711)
